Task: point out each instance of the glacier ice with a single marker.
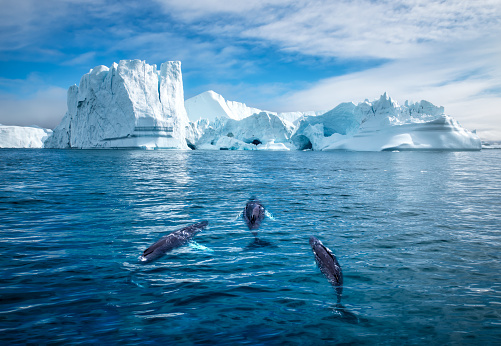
(258, 131)
(384, 125)
(23, 136)
(133, 105)
(369, 126)
(211, 106)
(129, 105)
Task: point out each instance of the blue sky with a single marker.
(276, 55)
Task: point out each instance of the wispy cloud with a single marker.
(447, 52)
(360, 28)
(444, 51)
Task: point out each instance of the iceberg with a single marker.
(133, 105)
(23, 136)
(259, 131)
(384, 125)
(210, 105)
(128, 105)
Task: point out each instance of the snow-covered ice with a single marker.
(384, 125)
(129, 105)
(210, 105)
(23, 136)
(133, 105)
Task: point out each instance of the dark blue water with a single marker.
(418, 235)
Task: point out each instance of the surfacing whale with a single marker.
(329, 266)
(172, 241)
(253, 214)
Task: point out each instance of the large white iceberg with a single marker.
(129, 105)
(134, 105)
(384, 125)
(369, 126)
(23, 136)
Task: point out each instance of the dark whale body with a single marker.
(328, 265)
(172, 241)
(253, 214)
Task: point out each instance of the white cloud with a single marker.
(447, 52)
(359, 28)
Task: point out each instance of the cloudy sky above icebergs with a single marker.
(277, 55)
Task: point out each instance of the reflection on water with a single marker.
(417, 235)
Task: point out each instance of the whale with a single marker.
(253, 215)
(328, 264)
(171, 241)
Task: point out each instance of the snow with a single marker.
(264, 128)
(23, 136)
(133, 105)
(384, 125)
(210, 105)
(128, 105)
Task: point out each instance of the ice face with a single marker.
(23, 136)
(129, 105)
(133, 105)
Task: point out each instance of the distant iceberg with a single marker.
(23, 136)
(210, 105)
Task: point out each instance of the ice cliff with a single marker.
(129, 105)
(133, 105)
(23, 136)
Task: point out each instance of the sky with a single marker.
(277, 55)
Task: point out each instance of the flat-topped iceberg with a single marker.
(23, 136)
(129, 105)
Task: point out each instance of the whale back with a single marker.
(328, 264)
(172, 241)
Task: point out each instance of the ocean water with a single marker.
(417, 234)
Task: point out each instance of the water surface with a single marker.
(416, 233)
